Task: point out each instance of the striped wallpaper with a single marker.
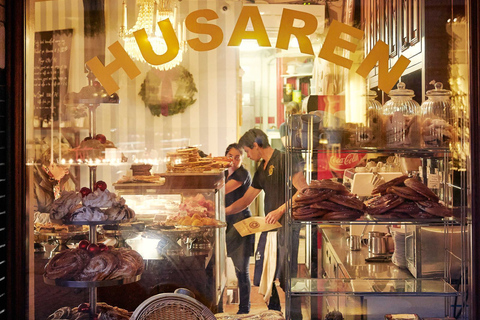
(210, 123)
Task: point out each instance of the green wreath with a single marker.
(168, 92)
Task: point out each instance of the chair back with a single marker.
(172, 306)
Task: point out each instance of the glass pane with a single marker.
(130, 108)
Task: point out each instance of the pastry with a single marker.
(328, 205)
(329, 184)
(119, 213)
(315, 214)
(327, 200)
(127, 265)
(68, 202)
(406, 193)
(435, 208)
(382, 188)
(99, 205)
(307, 211)
(67, 264)
(141, 169)
(102, 199)
(104, 311)
(312, 195)
(62, 313)
(383, 203)
(88, 214)
(99, 267)
(91, 148)
(347, 201)
(419, 187)
(437, 132)
(407, 207)
(342, 215)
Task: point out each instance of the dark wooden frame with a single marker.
(17, 289)
(475, 154)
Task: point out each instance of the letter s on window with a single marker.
(214, 31)
(104, 73)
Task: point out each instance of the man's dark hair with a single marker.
(254, 135)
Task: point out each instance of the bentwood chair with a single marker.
(172, 306)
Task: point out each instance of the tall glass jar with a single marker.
(370, 134)
(401, 117)
(437, 129)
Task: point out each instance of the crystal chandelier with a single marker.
(149, 14)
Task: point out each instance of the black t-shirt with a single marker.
(243, 176)
(271, 180)
(233, 239)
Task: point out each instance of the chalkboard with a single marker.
(52, 61)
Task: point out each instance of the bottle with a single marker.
(401, 119)
(437, 128)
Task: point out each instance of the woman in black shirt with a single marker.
(239, 248)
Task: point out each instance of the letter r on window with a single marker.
(104, 73)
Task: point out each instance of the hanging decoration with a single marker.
(169, 92)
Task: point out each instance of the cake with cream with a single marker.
(88, 205)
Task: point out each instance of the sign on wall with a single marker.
(52, 60)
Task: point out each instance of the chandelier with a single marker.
(149, 14)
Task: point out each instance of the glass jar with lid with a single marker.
(401, 118)
(369, 133)
(437, 129)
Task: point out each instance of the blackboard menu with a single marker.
(52, 60)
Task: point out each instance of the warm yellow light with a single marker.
(149, 14)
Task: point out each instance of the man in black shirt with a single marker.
(269, 177)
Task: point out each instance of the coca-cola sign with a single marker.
(342, 161)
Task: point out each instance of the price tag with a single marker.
(433, 181)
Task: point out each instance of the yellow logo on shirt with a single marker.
(270, 169)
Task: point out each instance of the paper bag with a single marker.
(254, 225)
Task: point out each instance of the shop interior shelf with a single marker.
(364, 221)
(319, 149)
(364, 287)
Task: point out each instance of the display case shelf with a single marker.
(371, 221)
(364, 287)
(320, 149)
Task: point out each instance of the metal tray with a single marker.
(90, 223)
(90, 284)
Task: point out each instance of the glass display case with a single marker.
(191, 256)
(418, 266)
(429, 277)
(160, 243)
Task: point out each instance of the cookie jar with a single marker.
(374, 127)
(401, 118)
(436, 128)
